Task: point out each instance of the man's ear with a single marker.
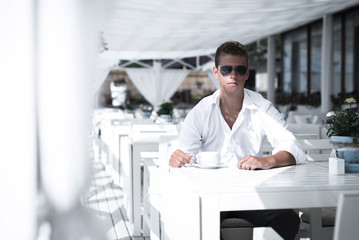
(247, 74)
(215, 72)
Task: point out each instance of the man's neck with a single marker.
(230, 107)
(232, 102)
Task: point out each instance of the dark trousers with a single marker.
(284, 221)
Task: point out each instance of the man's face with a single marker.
(231, 82)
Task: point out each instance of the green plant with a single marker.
(119, 82)
(199, 84)
(165, 108)
(345, 122)
(130, 106)
(339, 100)
(122, 107)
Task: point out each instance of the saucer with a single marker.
(208, 165)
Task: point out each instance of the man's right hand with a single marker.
(179, 158)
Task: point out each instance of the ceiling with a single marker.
(167, 29)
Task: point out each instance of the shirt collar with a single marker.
(247, 101)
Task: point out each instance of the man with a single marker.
(234, 122)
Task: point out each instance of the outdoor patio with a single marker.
(105, 199)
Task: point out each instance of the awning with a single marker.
(167, 29)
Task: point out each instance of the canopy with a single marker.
(168, 29)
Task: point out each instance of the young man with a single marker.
(234, 122)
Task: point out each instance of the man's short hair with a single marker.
(232, 48)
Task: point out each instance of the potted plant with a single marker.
(146, 111)
(130, 107)
(165, 110)
(344, 132)
(199, 84)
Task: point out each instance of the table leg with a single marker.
(315, 219)
(210, 217)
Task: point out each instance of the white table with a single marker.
(229, 189)
(142, 138)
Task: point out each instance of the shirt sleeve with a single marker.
(279, 136)
(190, 138)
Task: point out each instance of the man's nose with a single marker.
(233, 72)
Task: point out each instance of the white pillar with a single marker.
(271, 68)
(327, 59)
(157, 67)
(67, 47)
(17, 121)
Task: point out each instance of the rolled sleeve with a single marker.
(279, 136)
(293, 148)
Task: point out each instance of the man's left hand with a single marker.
(251, 163)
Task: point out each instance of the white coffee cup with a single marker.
(208, 158)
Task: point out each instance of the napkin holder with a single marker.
(336, 165)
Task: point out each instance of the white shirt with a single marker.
(205, 129)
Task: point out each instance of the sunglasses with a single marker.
(227, 69)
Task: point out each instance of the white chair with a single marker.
(153, 171)
(236, 228)
(311, 145)
(318, 223)
(347, 217)
(315, 145)
(306, 135)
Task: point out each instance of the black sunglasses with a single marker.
(227, 69)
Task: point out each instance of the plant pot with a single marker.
(343, 141)
(345, 149)
(165, 118)
(146, 114)
(351, 158)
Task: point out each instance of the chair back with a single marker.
(347, 217)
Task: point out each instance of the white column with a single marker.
(17, 121)
(157, 71)
(67, 47)
(327, 59)
(271, 68)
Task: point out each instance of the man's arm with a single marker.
(280, 159)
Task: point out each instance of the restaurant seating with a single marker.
(314, 221)
(347, 217)
(315, 145)
(150, 215)
(319, 222)
(334, 223)
(233, 228)
(316, 149)
(152, 224)
(230, 228)
(154, 168)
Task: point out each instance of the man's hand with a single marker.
(251, 163)
(279, 159)
(179, 158)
